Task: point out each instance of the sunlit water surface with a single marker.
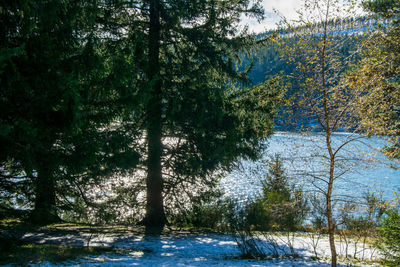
(360, 166)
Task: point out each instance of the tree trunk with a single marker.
(328, 131)
(45, 211)
(331, 225)
(155, 216)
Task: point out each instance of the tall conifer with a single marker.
(198, 118)
(58, 98)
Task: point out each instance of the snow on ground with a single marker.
(189, 250)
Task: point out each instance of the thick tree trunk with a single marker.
(155, 216)
(45, 211)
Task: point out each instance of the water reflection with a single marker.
(360, 167)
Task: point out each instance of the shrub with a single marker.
(389, 238)
(281, 206)
(206, 211)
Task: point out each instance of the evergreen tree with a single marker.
(93, 88)
(389, 238)
(199, 117)
(281, 206)
(58, 98)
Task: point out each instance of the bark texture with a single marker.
(155, 219)
(45, 211)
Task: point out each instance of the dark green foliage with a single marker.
(198, 118)
(40, 90)
(281, 206)
(387, 8)
(208, 210)
(389, 238)
(257, 215)
(91, 89)
(55, 108)
(207, 216)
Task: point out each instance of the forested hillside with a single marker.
(269, 61)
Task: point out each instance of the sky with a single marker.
(274, 10)
(287, 8)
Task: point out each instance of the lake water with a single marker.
(360, 166)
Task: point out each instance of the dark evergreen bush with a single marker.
(389, 238)
(281, 206)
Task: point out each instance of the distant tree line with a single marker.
(349, 34)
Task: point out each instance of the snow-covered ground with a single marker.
(193, 250)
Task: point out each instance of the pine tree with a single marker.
(281, 206)
(93, 88)
(58, 98)
(199, 117)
